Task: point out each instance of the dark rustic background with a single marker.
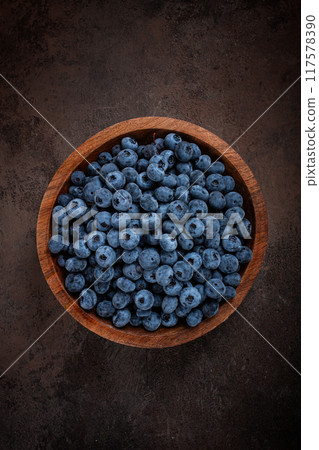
(85, 66)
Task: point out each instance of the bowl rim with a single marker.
(138, 337)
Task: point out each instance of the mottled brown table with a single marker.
(87, 65)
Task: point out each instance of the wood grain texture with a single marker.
(142, 130)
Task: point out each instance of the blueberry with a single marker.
(231, 243)
(93, 169)
(144, 299)
(210, 308)
(185, 243)
(235, 212)
(148, 202)
(190, 297)
(184, 151)
(128, 239)
(132, 271)
(214, 288)
(125, 285)
(127, 158)
(183, 180)
(103, 221)
(215, 182)
(152, 322)
(195, 227)
(115, 180)
(248, 229)
(74, 282)
(143, 313)
(216, 167)
(104, 158)
(76, 208)
(90, 189)
(169, 304)
(194, 259)
(182, 311)
(150, 221)
(183, 271)
(134, 190)
(171, 140)
(64, 199)
(164, 274)
(230, 293)
(101, 287)
(169, 320)
(194, 318)
(150, 275)
(121, 318)
(95, 240)
(197, 177)
(214, 242)
(159, 142)
(61, 260)
(104, 275)
(229, 183)
(232, 279)
(130, 174)
(173, 288)
(149, 259)
(105, 256)
(108, 168)
(217, 200)
(135, 321)
(228, 264)
(88, 299)
(233, 199)
(169, 180)
(81, 250)
(197, 191)
(169, 258)
(168, 243)
(75, 264)
(120, 300)
(142, 165)
(181, 192)
(164, 194)
(244, 255)
(116, 150)
(56, 244)
(103, 198)
(78, 178)
(144, 182)
(105, 309)
(128, 142)
(203, 163)
(169, 157)
(197, 207)
(184, 168)
(121, 200)
(177, 207)
(113, 238)
(155, 173)
(217, 274)
(149, 151)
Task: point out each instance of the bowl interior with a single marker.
(181, 333)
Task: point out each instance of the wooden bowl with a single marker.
(142, 130)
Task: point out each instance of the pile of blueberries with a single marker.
(175, 270)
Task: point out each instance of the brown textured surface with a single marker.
(142, 129)
(87, 66)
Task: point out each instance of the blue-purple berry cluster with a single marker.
(151, 279)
